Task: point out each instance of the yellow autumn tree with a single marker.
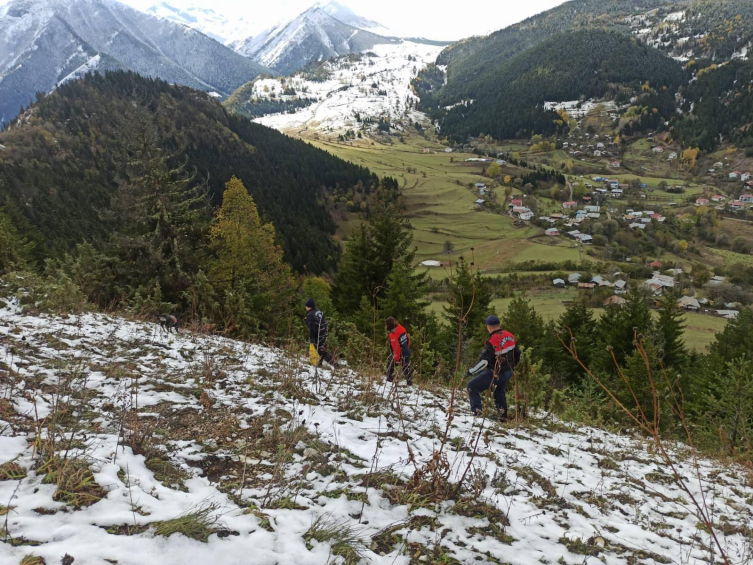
(690, 156)
(255, 284)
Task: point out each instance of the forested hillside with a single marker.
(469, 61)
(722, 107)
(67, 155)
(507, 99)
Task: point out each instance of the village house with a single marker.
(657, 149)
(689, 303)
(552, 232)
(558, 283)
(575, 234)
(615, 301)
(745, 177)
(480, 185)
(734, 174)
(569, 205)
(586, 239)
(662, 280)
(526, 216)
(747, 198)
(615, 164)
(586, 286)
(727, 314)
(516, 202)
(448, 150)
(736, 205)
(592, 208)
(718, 165)
(574, 278)
(637, 226)
(620, 286)
(717, 198)
(702, 202)
(672, 156)
(480, 202)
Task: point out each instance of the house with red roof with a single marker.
(702, 202)
(569, 204)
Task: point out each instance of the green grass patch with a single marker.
(11, 471)
(198, 525)
(345, 539)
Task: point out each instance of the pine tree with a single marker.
(469, 304)
(578, 322)
(405, 299)
(730, 404)
(15, 251)
(670, 328)
(522, 320)
(162, 213)
(248, 264)
(371, 254)
(616, 331)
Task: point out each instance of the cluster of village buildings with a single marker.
(655, 286)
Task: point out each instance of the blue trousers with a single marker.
(483, 382)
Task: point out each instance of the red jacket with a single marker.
(399, 343)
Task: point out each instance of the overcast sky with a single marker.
(434, 19)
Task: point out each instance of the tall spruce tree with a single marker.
(162, 214)
(469, 304)
(15, 251)
(670, 328)
(616, 331)
(371, 255)
(248, 266)
(522, 320)
(578, 322)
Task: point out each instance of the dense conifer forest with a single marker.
(507, 99)
(65, 156)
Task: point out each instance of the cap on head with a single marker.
(391, 323)
(493, 321)
(310, 303)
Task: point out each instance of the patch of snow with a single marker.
(348, 90)
(551, 482)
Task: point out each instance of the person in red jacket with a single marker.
(399, 351)
(494, 368)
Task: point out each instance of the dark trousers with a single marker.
(324, 355)
(483, 382)
(405, 369)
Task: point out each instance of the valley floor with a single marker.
(199, 449)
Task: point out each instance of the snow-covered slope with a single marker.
(290, 467)
(370, 86)
(43, 41)
(314, 35)
(206, 20)
(349, 17)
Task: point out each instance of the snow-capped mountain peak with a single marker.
(321, 32)
(45, 42)
(347, 16)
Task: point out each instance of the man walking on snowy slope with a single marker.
(399, 351)
(494, 369)
(318, 332)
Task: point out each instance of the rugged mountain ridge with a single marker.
(43, 42)
(315, 35)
